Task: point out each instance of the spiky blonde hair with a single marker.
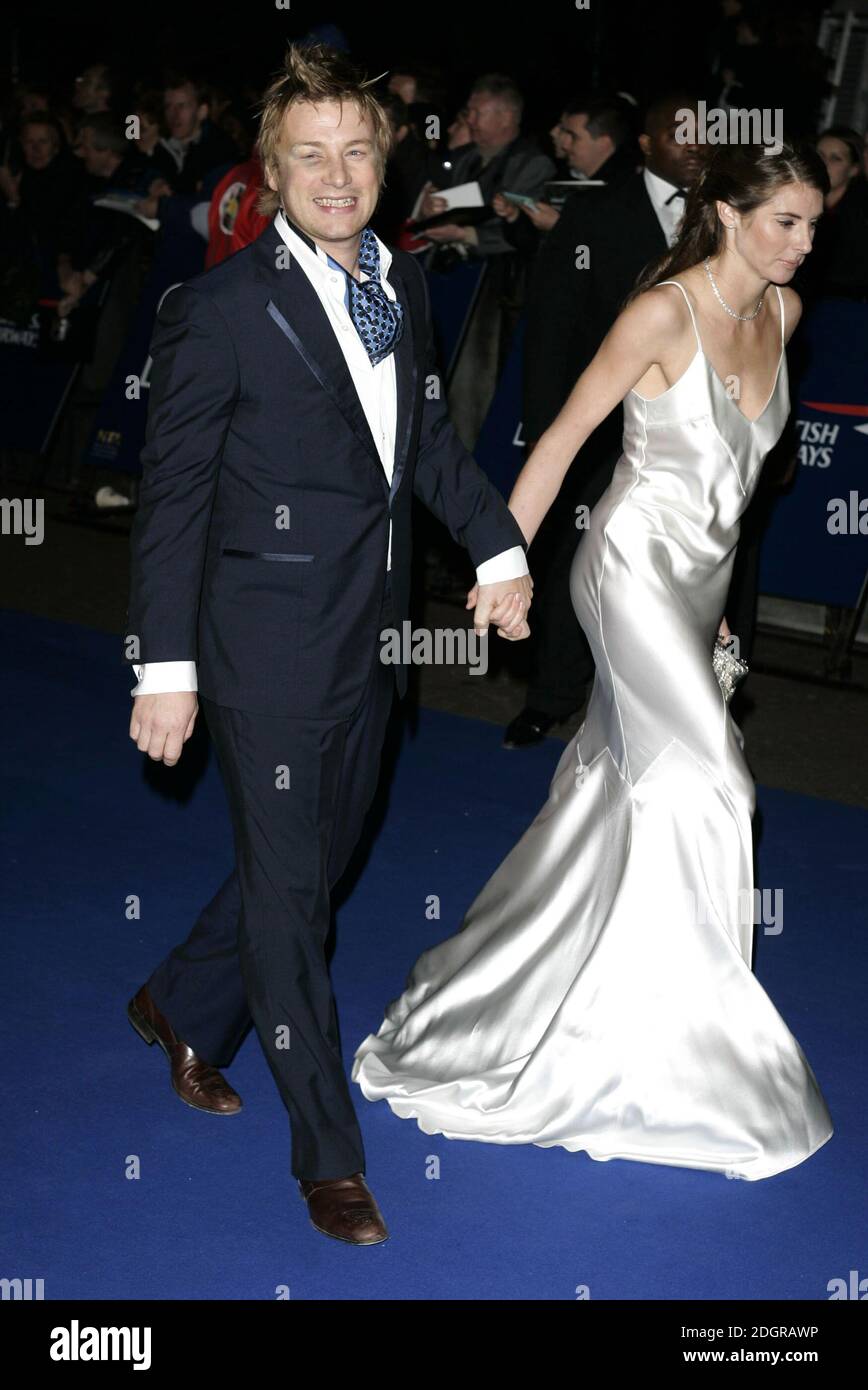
(315, 73)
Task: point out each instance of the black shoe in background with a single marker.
(529, 727)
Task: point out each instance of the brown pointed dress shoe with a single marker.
(344, 1208)
(196, 1082)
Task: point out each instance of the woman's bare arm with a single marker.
(645, 331)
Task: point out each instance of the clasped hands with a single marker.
(161, 724)
(505, 604)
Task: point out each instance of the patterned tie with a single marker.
(378, 319)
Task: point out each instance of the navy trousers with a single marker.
(299, 791)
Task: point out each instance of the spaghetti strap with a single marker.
(690, 307)
(781, 305)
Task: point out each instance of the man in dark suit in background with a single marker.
(571, 307)
(594, 137)
(195, 145)
(292, 419)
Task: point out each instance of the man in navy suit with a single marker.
(295, 411)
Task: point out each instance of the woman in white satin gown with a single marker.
(599, 994)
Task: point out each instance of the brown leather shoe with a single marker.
(344, 1208)
(196, 1082)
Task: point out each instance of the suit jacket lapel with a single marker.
(294, 307)
(406, 376)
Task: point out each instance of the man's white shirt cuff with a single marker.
(165, 677)
(170, 677)
(509, 564)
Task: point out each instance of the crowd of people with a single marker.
(94, 176)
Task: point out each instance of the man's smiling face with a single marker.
(328, 175)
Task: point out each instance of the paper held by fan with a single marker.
(463, 195)
(121, 201)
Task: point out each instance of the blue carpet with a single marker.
(212, 1211)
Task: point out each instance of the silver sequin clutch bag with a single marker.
(729, 669)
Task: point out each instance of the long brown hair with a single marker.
(745, 176)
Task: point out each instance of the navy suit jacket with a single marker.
(253, 423)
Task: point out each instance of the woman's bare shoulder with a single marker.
(792, 310)
(658, 310)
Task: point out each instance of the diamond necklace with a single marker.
(722, 301)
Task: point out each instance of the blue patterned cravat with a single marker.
(378, 319)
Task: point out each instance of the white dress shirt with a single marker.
(378, 394)
(668, 214)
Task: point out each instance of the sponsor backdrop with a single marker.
(31, 389)
(816, 547)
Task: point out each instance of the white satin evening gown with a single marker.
(599, 993)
